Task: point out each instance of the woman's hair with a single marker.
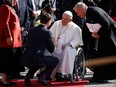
(8, 2)
(45, 18)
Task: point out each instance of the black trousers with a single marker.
(9, 60)
(52, 63)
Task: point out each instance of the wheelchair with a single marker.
(79, 69)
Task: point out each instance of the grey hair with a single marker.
(80, 5)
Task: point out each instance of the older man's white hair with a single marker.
(68, 13)
(80, 5)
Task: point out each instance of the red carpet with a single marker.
(20, 83)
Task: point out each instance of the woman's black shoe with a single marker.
(8, 84)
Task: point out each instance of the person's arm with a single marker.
(77, 39)
(102, 19)
(5, 25)
(27, 19)
(50, 44)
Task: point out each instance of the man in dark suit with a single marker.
(21, 9)
(101, 42)
(39, 39)
(33, 11)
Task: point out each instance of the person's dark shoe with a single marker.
(49, 78)
(18, 76)
(59, 77)
(43, 80)
(98, 81)
(27, 82)
(8, 84)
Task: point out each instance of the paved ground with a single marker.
(111, 83)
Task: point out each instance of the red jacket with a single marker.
(9, 27)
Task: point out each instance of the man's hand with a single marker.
(34, 14)
(95, 35)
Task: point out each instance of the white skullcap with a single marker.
(68, 13)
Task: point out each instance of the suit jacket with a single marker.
(39, 39)
(31, 9)
(9, 27)
(22, 11)
(105, 46)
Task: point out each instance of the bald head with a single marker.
(80, 8)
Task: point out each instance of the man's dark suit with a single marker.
(106, 46)
(39, 39)
(32, 8)
(22, 11)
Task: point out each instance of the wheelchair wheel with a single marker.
(73, 77)
(79, 70)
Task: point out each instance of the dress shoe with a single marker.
(49, 78)
(59, 77)
(27, 82)
(8, 84)
(43, 81)
(18, 76)
(98, 81)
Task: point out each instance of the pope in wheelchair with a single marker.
(67, 36)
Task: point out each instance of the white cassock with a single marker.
(63, 35)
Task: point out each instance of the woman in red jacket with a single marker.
(10, 41)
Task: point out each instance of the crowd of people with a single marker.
(63, 26)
